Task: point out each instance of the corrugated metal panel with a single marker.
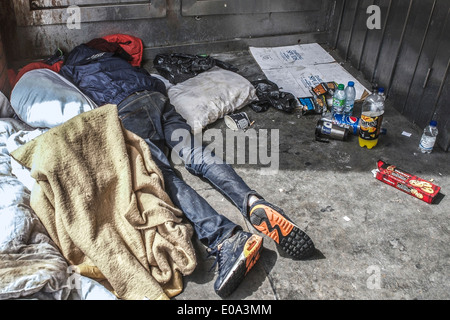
(443, 110)
(423, 69)
(409, 55)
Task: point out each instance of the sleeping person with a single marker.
(144, 109)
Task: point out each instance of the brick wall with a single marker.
(4, 81)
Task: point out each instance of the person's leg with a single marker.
(264, 216)
(236, 251)
(141, 114)
(203, 162)
(211, 227)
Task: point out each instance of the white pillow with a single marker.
(44, 99)
(210, 96)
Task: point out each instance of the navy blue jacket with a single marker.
(106, 78)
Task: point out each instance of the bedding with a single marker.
(38, 259)
(101, 198)
(44, 99)
(210, 96)
(31, 266)
(33, 66)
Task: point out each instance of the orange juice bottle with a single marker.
(371, 119)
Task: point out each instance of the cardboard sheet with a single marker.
(297, 68)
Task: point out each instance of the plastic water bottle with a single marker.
(339, 100)
(371, 119)
(350, 96)
(429, 138)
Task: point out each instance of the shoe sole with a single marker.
(287, 235)
(246, 261)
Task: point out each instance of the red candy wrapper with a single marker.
(406, 182)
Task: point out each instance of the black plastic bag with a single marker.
(178, 67)
(269, 95)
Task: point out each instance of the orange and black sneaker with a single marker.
(272, 221)
(235, 257)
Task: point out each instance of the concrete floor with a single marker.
(392, 246)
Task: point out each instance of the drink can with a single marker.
(351, 123)
(326, 130)
(238, 121)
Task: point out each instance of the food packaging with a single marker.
(406, 182)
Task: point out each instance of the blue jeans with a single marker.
(151, 116)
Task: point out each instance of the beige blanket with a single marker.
(101, 198)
